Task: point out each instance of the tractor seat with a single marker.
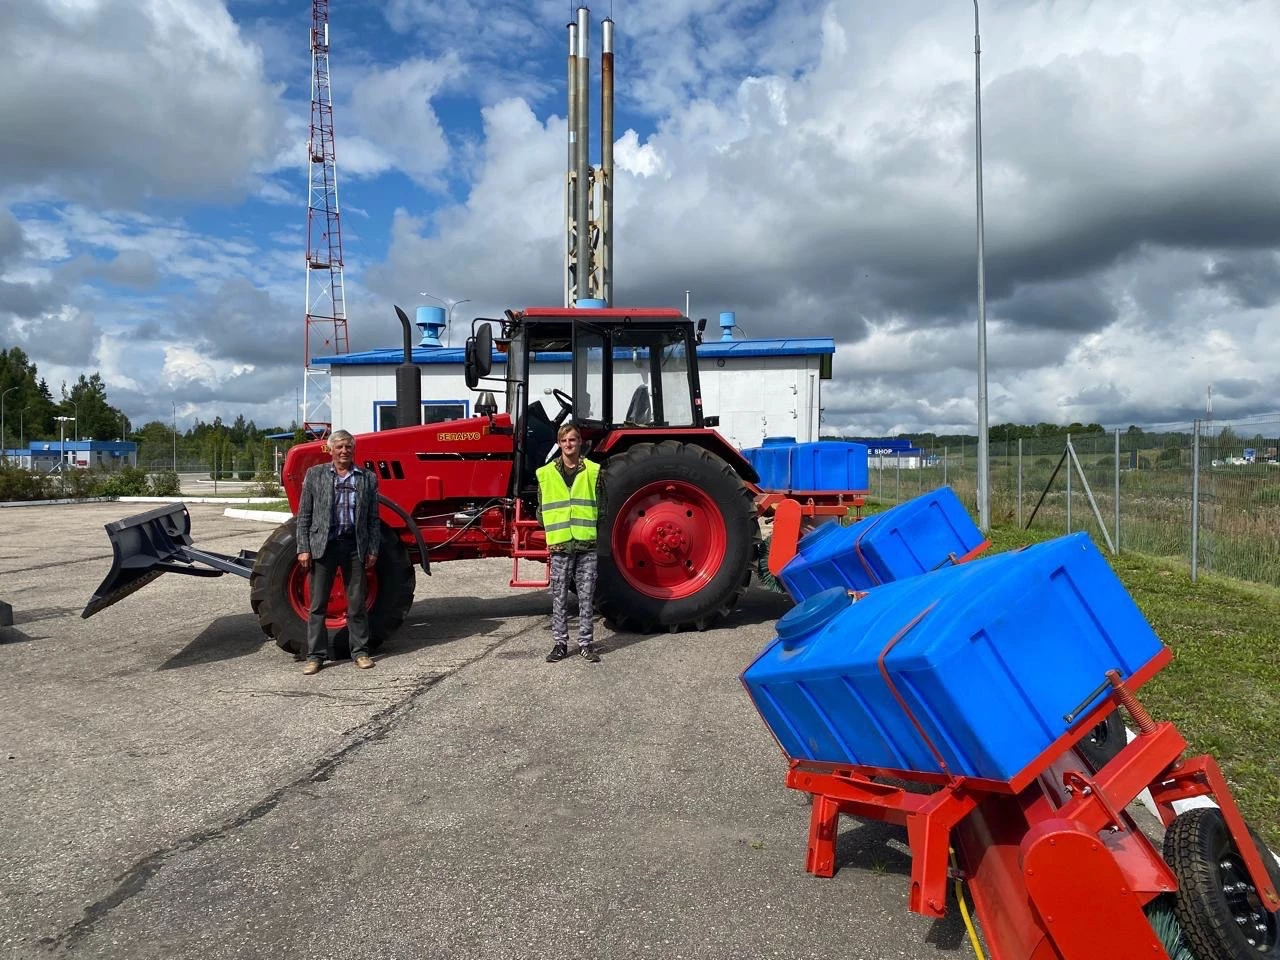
(640, 410)
(539, 440)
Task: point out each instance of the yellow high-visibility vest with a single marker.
(568, 514)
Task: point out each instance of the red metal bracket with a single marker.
(522, 531)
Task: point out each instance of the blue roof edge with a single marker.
(779, 347)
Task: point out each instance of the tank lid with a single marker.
(778, 441)
(811, 615)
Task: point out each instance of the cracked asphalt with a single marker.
(174, 787)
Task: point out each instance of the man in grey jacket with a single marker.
(338, 529)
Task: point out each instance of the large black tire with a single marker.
(1104, 741)
(1216, 904)
(276, 593)
(678, 538)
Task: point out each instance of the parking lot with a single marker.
(174, 787)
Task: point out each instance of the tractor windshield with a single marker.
(651, 385)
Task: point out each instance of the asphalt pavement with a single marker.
(174, 787)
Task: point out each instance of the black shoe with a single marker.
(558, 653)
(588, 653)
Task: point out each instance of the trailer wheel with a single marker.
(1104, 741)
(681, 533)
(1222, 915)
(279, 592)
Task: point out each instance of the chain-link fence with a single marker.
(1207, 492)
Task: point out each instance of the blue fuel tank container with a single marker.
(982, 662)
(926, 532)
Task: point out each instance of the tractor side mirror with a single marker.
(702, 325)
(479, 356)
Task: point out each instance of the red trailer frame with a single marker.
(1057, 868)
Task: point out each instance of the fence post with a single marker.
(1068, 487)
(1117, 524)
(897, 469)
(1195, 498)
(944, 465)
(1019, 483)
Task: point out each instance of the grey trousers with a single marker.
(338, 555)
(579, 569)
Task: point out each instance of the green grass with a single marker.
(1222, 690)
(275, 506)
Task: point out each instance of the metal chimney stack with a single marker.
(588, 263)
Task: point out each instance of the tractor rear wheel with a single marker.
(1221, 914)
(679, 536)
(280, 594)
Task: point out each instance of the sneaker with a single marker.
(558, 653)
(588, 653)
(313, 666)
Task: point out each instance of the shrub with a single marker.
(78, 484)
(19, 484)
(244, 467)
(265, 478)
(125, 482)
(165, 484)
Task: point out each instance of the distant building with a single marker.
(893, 453)
(44, 456)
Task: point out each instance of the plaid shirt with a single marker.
(342, 520)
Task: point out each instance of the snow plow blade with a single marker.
(149, 544)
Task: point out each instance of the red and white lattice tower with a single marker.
(326, 333)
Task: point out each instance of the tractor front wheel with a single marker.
(679, 535)
(1222, 915)
(280, 594)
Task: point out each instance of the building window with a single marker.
(433, 411)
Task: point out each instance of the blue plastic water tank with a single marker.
(772, 460)
(1003, 647)
(829, 465)
(905, 541)
(786, 465)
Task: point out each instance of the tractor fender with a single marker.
(620, 441)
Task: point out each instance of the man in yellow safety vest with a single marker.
(568, 508)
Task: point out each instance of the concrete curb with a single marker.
(199, 499)
(268, 516)
(54, 503)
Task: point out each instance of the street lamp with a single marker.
(2, 433)
(77, 417)
(984, 454)
(62, 441)
(448, 322)
(175, 435)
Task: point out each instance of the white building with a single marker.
(758, 388)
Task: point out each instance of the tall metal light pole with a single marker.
(62, 441)
(984, 453)
(686, 303)
(448, 323)
(2, 433)
(175, 435)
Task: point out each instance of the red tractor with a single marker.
(680, 528)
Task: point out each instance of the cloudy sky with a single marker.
(808, 164)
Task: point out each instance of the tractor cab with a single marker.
(631, 369)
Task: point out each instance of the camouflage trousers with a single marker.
(580, 570)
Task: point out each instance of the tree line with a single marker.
(31, 413)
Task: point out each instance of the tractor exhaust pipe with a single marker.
(408, 381)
